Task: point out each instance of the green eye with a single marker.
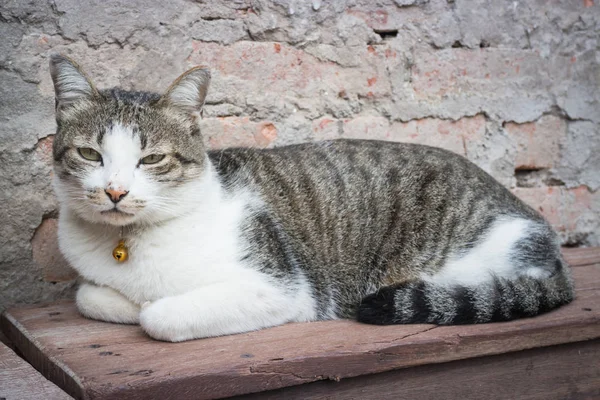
(89, 154)
(152, 159)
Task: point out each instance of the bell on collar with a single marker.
(121, 252)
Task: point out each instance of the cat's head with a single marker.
(127, 157)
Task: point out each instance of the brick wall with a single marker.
(512, 85)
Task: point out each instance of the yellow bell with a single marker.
(121, 253)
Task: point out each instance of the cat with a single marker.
(234, 240)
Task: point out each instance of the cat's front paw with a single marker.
(106, 304)
(161, 320)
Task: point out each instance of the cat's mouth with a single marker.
(115, 211)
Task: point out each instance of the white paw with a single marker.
(162, 321)
(105, 304)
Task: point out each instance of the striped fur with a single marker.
(238, 239)
(501, 299)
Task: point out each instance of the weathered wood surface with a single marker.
(91, 359)
(582, 256)
(20, 381)
(4, 340)
(551, 373)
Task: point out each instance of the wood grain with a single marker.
(577, 257)
(4, 340)
(550, 373)
(91, 359)
(20, 381)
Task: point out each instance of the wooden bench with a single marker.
(556, 355)
(20, 381)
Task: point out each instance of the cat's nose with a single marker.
(115, 195)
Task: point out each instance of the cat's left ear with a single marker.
(188, 92)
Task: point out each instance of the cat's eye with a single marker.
(89, 154)
(152, 159)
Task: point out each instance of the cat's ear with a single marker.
(70, 82)
(188, 92)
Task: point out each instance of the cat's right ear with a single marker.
(70, 82)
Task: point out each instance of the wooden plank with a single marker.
(4, 340)
(581, 256)
(559, 372)
(587, 277)
(91, 359)
(20, 381)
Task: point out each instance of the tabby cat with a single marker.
(210, 243)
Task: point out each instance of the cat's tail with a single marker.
(499, 299)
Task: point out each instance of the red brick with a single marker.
(223, 132)
(326, 128)
(263, 67)
(43, 150)
(447, 134)
(538, 143)
(563, 208)
(47, 254)
(265, 134)
(367, 127)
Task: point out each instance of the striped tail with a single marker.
(498, 300)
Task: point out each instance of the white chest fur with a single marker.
(184, 253)
(187, 269)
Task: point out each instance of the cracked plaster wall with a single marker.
(512, 85)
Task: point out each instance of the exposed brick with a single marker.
(265, 134)
(225, 132)
(326, 128)
(279, 68)
(448, 134)
(567, 210)
(367, 127)
(47, 254)
(43, 149)
(538, 143)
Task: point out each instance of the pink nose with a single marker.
(115, 195)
